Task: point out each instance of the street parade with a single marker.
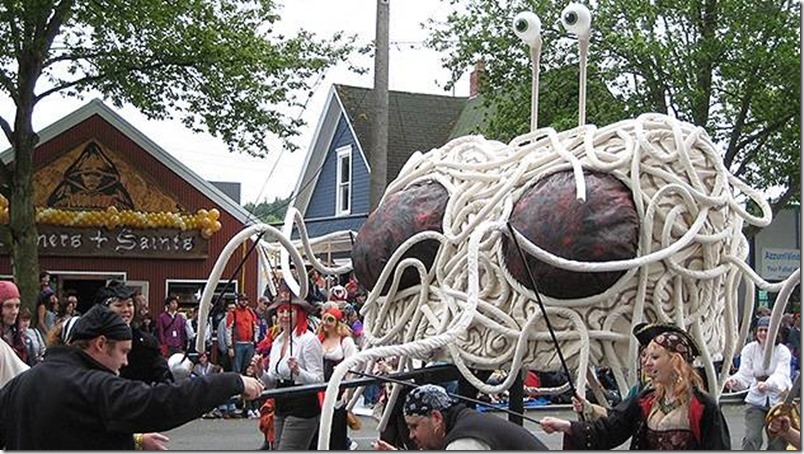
(592, 287)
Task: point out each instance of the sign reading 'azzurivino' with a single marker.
(121, 242)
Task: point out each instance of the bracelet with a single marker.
(138, 442)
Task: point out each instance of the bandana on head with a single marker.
(675, 343)
(680, 341)
(8, 290)
(425, 399)
(335, 312)
(100, 321)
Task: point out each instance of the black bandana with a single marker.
(100, 321)
(426, 398)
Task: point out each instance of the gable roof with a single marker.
(97, 107)
(416, 122)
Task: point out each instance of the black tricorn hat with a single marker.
(646, 332)
(115, 290)
(285, 296)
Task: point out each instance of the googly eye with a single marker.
(528, 27)
(577, 19)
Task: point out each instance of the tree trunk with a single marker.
(22, 214)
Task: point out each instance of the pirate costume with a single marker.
(72, 402)
(467, 429)
(657, 425)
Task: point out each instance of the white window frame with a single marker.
(200, 284)
(345, 151)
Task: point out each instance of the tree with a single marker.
(730, 66)
(269, 212)
(218, 65)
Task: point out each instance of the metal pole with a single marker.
(544, 311)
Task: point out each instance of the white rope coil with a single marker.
(469, 310)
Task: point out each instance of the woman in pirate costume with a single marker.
(296, 358)
(673, 413)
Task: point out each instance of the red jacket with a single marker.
(245, 325)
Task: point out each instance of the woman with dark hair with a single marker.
(66, 307)
(337, 343)
(145, 361)
(296, 358)
(674, 413)
(46, 306)
(766, 388)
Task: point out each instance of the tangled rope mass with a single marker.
(468, 309)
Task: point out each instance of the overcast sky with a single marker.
(412, 68)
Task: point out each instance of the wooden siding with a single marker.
(324, 226)
(322, 202)
(156, 272)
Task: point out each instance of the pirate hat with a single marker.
(285, 296)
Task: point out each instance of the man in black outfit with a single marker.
(75, 400)
(436, 422)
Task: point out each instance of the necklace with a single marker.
(666, 406)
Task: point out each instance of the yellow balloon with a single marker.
(214, 214)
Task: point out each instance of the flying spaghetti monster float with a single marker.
(636, 221)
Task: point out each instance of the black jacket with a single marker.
(71, 402)
(499, 434)
(709, 427)
(145, 361)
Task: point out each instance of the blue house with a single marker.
(332, 191)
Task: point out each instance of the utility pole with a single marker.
(378, 156)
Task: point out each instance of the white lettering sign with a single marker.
(779, 264)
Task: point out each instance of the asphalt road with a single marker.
(243, 434)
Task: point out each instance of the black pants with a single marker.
(337, 434)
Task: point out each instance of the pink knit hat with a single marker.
(8, 290)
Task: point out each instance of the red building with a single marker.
(112, 204)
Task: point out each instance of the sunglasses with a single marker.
(329, 318)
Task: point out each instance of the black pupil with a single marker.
(521, 25)
(571, 18)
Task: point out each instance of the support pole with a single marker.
(516, 399)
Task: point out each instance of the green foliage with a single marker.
(269, 212)
(731, 66)
(217, 65)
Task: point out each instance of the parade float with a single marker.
(637, 221)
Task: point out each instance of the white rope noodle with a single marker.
(468, 309)
(215, 275)
(690, 240)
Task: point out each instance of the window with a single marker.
(343, 189)
(189, 291)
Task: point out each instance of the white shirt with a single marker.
(10, 364)
(467, 444)
(751, 367)
(344, 349)
(308, 353)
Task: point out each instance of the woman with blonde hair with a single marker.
(337, 343)
(673, 413)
